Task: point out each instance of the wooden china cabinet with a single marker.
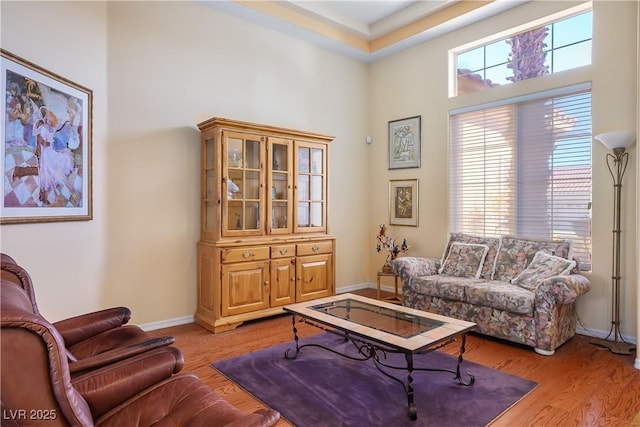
(263, 240)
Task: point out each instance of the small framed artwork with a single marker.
(403, 202)
(46, 149)
(404, 143)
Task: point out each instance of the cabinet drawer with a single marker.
(314, 248)
(245, 254)
(283, 251)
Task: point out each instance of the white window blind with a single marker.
(523, 168)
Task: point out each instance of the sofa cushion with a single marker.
(464, 260)
(448, 287)
(501, 296)
(488, 293)
(516, 253)
(542, 267)
(489, 260)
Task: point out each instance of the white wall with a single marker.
(414, 82)
(157, 69)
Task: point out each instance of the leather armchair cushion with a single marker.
(185, 401)
(108, 340)
(116, 354)
(108, 387)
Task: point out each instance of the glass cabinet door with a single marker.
(279, 208)
(243, 188)
(311, 185)
(209, 218)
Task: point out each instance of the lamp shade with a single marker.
(618, 139)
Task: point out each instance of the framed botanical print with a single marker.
(404, 143)
(403, 202)
(46, 150)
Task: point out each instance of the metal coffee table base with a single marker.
(371, 351)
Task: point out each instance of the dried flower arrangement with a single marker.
(390, 244)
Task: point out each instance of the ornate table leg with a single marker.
(413, 411)
(295, 337)
(460, 359)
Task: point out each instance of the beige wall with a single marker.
(66, 260)
(158, 68)
(414, 82)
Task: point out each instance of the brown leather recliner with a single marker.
(37, 388)
(92, 339)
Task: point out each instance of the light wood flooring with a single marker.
(580, 385)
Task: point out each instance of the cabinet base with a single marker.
(216, 326)
(229, 323)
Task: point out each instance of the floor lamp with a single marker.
(617, 164)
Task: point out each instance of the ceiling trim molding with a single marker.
(277, 10)
(280, 11)
(428, 22)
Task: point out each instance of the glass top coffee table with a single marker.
(376, 327)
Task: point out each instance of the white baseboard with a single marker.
(603, 334)
(596, 333)
(356, 287)
(350, 288)
(152, 326)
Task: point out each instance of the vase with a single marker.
(386, 268)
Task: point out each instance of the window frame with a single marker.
(505, 35)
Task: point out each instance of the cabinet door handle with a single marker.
(247, 254)
(283, 251)
(315, 248)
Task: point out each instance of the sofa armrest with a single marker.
(111, 385)
(118, 354)
(407, 267)
(562, 289)
(79, 328)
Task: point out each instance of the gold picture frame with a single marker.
(403, 202)
(47, 146)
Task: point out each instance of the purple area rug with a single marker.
(319, 388)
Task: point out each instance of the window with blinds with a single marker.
(523, 167)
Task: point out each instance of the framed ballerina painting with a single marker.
(46, 147)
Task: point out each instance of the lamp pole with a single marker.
(617, 164)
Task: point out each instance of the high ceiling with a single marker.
(365, 30)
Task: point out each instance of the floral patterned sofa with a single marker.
(517, 289)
